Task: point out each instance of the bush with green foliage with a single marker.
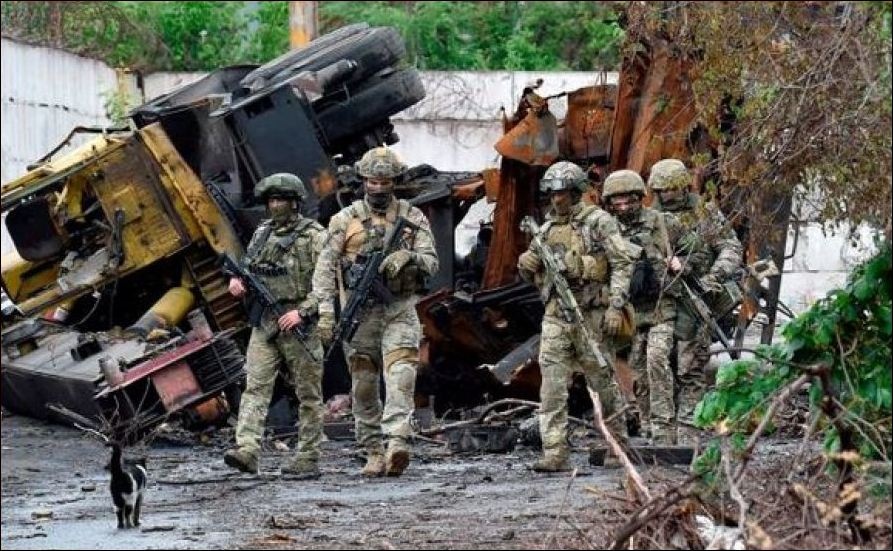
(849, 331)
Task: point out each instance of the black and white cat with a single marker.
(127, 485)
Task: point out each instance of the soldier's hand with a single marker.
(595, 268)
(395, 262)
(674, 264)
(613, 321)
(530, 262)
(325, 327)
(290, 320)
(573, 264)
(236, 287)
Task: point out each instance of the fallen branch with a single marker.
(639, 488)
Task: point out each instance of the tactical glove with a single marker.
(395, 262)
(573, 263)
(710, 283)
(613, 321)
(530, 262)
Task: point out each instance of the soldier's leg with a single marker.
(262, 361)
(694, 355)
(306, 373)
(555, 359)
(639, 367)
(660, 382)
(364, 361)
(602, 380)
(400, 348)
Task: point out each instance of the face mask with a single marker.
(673, 203)
(281, 213)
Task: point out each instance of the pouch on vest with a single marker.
(644, 285)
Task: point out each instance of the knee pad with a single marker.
(402, 355)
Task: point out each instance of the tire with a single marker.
(371, 105)
(372, 50)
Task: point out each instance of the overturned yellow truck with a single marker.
(122, 315)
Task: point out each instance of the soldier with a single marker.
(598, 263)
(282, 253)
(712, 253)
(388, 336)
(655, 306)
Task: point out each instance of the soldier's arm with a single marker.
(325, 274)
(621, 255)
(317, 240)
(726, 247)
(423, 244)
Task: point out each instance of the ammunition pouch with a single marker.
(723, 301)
(644, 284)
(686, 326)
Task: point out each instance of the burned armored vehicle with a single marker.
(121, 308)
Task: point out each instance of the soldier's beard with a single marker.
(379, 201)
(280, 214)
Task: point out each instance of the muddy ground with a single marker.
(55, 495)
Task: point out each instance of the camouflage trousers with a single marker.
(387, 341)
(649, 359)
(563, 352)
(691, 375)
(263, 362)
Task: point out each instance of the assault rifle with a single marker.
(262, 299)
(692, 298)
(554, 265)
(363, 279)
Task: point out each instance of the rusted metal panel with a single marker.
(586, 133)
(176, 385)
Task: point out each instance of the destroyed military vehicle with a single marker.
(121, 309)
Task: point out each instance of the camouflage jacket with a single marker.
(592, 232)
(284, 258)
(357, 230)
(656, 233)
(708, 244)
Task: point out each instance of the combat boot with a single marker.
(397, 458)
(241, 459)
(552, 464)
(375, 465)
(302, 469)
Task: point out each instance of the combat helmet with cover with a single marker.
(380, 163)
(563, 175)
(282, 184)
(620, 182)
(669, 174)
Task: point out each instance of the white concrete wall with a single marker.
(47, 92)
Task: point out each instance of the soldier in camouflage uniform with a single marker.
(282, 253)
(598, 263)
(388, 336)
(653, 297)
(711, 252)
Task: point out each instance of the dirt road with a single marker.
(55, 495)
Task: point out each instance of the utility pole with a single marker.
(302, 23)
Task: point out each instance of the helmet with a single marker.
(669, 174)
(380, 162)
(563, 175)
(282, 184)
(623, 181)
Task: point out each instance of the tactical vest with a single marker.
(283, 258)
(576, 235)
(365, 234)
(648, 272)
